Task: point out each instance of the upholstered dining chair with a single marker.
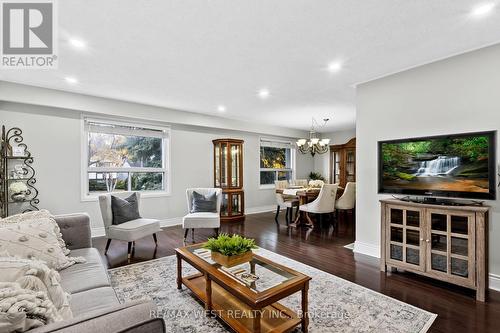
(284, 201)
(348, 199)
(299, 182)
(323, 204)
(347, 202)
(129, 231)
(199, 220)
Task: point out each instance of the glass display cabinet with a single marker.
(343, 163)
(228, 175)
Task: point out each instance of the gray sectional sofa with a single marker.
(93, 302)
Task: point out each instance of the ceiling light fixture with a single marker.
(315, 144)
(483, 9)
(71, 80)
(334, 66)
(221, 108)
(263, 93)
(77, 43)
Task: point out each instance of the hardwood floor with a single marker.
(323, 248)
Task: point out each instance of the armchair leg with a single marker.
(277, 214)
(192, 234)
(216, 232)
(155, 239)
(107, 245)
(186, 234)
(129, 251)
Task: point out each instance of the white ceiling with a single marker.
(194, 55)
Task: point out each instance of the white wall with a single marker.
(322, 161)
(53, 135)
(460, 94)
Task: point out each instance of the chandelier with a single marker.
(315, 144)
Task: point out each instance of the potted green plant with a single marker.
(230, 251)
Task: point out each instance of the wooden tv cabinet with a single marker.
(445, 242)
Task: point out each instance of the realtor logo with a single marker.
(28, 34)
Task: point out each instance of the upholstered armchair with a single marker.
(284, 201)
(129, 231)
(201, 219)
(323, 204)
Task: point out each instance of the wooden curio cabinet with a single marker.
(228, 175)
(343, 163)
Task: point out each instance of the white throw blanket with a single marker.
(23, 309)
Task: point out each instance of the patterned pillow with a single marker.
(43, 213)
(35, 239)
(35, 275)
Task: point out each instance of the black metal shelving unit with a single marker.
(9, 203)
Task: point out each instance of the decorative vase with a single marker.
(230, 261)
(21, 196)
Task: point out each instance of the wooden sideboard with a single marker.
(445, 242)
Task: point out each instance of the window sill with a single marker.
(267, 187)
(95, 197)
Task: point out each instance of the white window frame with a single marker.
(279, 142)
(166, 169)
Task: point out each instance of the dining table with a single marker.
(305, 195)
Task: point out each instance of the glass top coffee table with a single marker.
(245, 296)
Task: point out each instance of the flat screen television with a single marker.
(458, 165)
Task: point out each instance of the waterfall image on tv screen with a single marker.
(451, 164)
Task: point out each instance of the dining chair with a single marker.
(348, 199)
(347, 202)
(323, 204)
(201, 219)
(285, 201)
(299, 182)
(129, 231)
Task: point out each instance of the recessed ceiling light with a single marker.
(71, 80)
(221, 108)
(263, 93)
(77, 43)
(334, 66)
(483, 9)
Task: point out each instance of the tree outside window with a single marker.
(125, 158)
(275, 163)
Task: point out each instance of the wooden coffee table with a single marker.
(246, 307)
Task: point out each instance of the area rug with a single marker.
(335, 304)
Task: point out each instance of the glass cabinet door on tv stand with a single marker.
(228, 175)
(405, 232)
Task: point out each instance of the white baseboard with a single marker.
(99, 231)
(171, 222)
(374, 251)
(366, 248)
(260, 209)
(494, 282)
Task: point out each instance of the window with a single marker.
(124, 157)
(276, 161)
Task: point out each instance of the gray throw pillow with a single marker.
(125, 210)
(201, 203)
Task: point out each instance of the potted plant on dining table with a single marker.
(230, 251)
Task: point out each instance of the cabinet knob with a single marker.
(427, 240)
(421, 239)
